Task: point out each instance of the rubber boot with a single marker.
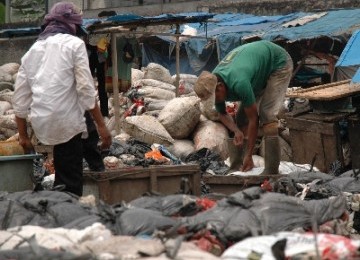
(272, 155)
(236, 155)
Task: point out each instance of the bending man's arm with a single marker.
(228, 121)
(252, 131)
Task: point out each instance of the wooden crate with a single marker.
(230, 184)
(130, 183)
(354, 137)
(316, 134)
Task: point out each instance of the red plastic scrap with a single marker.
(208, 242)
(232, 108)
(156, 155)
(266, 186)
(205, 203)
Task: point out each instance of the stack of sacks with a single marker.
(174, 121)
(8, 74)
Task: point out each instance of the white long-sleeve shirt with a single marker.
(55, 86)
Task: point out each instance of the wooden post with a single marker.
(177, 79)
(115, 82)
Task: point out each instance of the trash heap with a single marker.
(301, 215)
(308, 215)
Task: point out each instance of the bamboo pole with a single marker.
(115, 83)
(177, 49)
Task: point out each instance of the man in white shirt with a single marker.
(54, 87)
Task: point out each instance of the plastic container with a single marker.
(16, 172)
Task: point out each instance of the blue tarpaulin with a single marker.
(222, 32)
(349, 60)
(356, 77)
(230, 30)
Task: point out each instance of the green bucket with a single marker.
(16, 172)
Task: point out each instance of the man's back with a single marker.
(54, 74)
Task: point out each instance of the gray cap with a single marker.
(205, 85)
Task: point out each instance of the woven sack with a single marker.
(136, 75)
(158, 72)
(211, 135)
(155, 92)
(147, 129)
(154, 83)
(155, 104)
(207, 108)
(8, 121)
(8, 148)
(6, 95)
(180, 116)
(4, 106)
(10, 68)
(182, 148)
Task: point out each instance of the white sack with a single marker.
(4, 106)
(154, 83)
(155, 92)
(180, 116)
(207, 108)
(182, 148)
(158, 72)
(211, 135)
(147, 129)
(136, 75)
(10, 68)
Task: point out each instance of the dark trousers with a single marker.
(68, 158)
(98, 69)
(92, 153)
(103, 98)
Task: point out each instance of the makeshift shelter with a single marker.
(128, 24)
(319, 34)
(349, 61)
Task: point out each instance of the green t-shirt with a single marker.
(246, 69)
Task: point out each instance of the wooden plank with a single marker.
(230, 184)
(354, 137)
(329, 117)
(327, 92)
(153, 180)
(310, 126)
(105, 191)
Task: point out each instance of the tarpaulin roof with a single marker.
(127, 20)
(6, 33)
(332, 23)
(230, 30)
(356, 78)
(351, 53)
(349, 60)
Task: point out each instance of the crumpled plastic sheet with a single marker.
(294, 246)
(279, 212)
(208, 161)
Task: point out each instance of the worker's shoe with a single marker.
(236, 155)
(272, 155)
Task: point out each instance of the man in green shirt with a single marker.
(257, 74)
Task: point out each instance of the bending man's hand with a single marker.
(248, 163)
(238, 137)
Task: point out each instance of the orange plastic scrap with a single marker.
(156, 155)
